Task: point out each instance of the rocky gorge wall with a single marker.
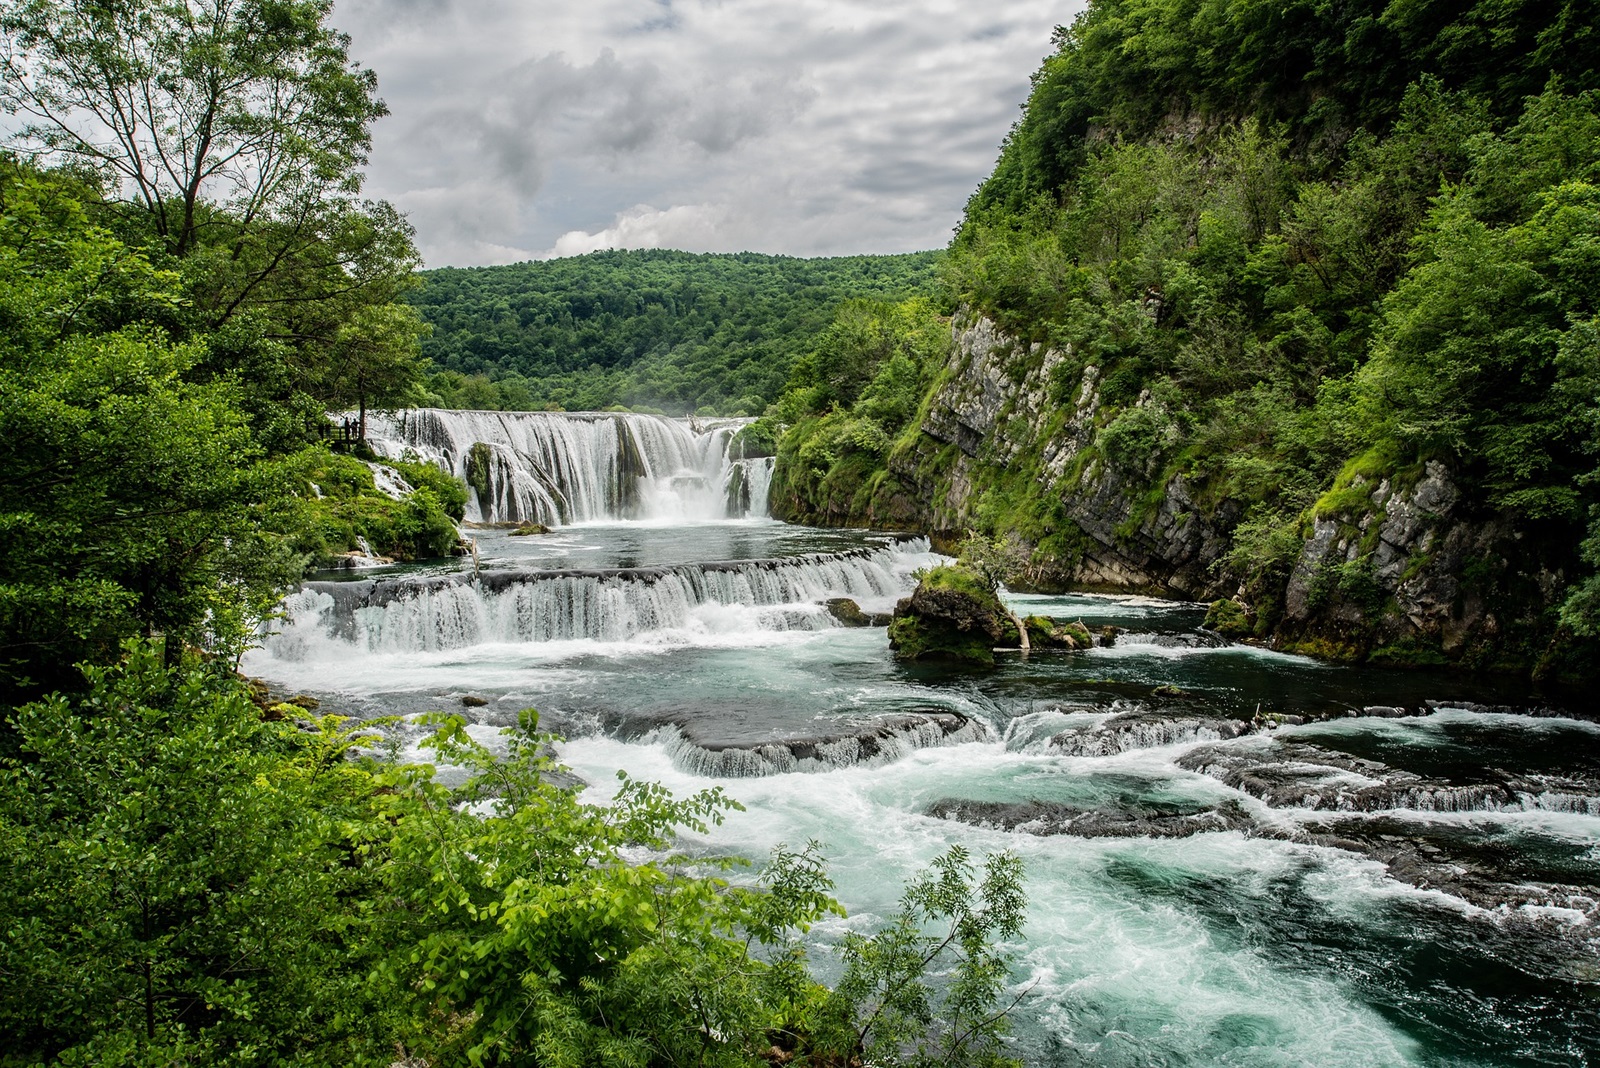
(1402, 569)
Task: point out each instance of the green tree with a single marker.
(129, 487)
(228, 138)
(180, 881)
(186, 104)
(374, 360)
(887, 1010)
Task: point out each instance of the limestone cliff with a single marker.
(1012, 418)
(1396, 569)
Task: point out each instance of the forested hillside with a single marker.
(1291, 305)
(654, 329)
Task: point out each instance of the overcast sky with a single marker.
(807, 127)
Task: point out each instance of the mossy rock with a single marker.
(1408, 653)
(480, 463)
(911, 639)
(527, 529)
(1229, 619)
(847, 612)
(1047, 633)
(953, 615)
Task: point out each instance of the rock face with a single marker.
(1026, 411)
(1406, 574)
(1403, 571)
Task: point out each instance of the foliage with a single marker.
(885, 1005)
(653, 329)
(225, 141)
(181, 880)
(1258, 240)
(849, 400)
(130, 488)
(547, 943)
(184, 880)
(337, 506)
(995, 560)
(253, 104)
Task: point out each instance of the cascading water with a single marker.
(559, 468)
(609, 605)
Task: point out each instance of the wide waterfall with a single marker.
(454, 611)
(558, 468)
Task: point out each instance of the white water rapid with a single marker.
(559, 467)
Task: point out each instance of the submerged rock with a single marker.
(1144, 730)
(1286, 774)
(1050, 818)
(849, 613)
(706, 749)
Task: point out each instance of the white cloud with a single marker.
(797, 126)
(681, 226)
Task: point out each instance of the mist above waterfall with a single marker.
(559, 468)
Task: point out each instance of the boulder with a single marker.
(953, 615)
(1047, 633)
(847, 612)
(525, 529)
(1231, 619)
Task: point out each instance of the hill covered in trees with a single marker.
(655, 329)
(1286, 304)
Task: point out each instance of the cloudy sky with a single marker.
(806, 127)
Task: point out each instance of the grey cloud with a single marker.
(801, 126)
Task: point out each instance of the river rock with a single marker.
(952, 615)
(718, 747)
(1046, 633)
(1050, 818)
(525, 529)
(1144, 730)
(847, 612)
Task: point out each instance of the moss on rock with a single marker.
(1229, 619)
(952, 615)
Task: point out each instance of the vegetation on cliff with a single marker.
(1275, 260)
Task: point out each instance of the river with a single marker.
(1234, 856)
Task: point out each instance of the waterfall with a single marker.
(573, 467)
(454, 611)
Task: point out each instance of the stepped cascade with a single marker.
(559, 468)
(611, 604)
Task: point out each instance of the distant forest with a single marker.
(655, 329)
